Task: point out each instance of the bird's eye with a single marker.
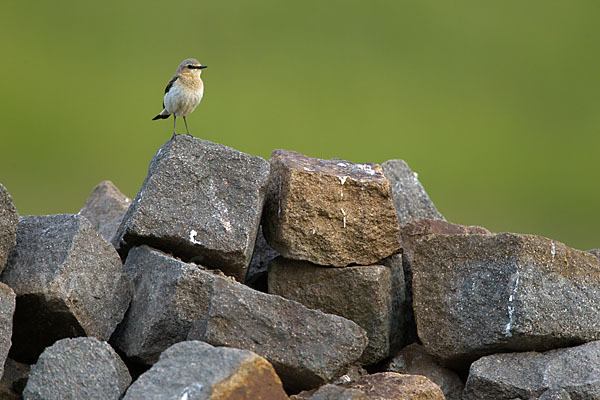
(190, 66)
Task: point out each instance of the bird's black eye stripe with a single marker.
(190, 66)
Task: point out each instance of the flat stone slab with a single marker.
(69, 282)
(201, 201)
(362, 294)
(105, 209)
(174, 300)
(410, 199)
(81, 368)
(9, 219)
(307, 347)
(329, 212)
(414, 360)
(168, 296)
(557, 374)
(393, 386)
(199, 371)
(476, 295)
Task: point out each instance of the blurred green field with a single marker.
(494, 104)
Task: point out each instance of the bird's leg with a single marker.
(186, 127)
(174, 124)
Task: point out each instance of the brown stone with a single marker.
(393, 386)
(197, 370)
(9, 220)
(414, 360)
(362, 294)
(329, 212)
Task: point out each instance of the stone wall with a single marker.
(230, 277)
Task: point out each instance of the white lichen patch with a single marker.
(553, 251)
(366, 168)
(511, 305)
(342, 179)
(191, 392)
(193, 235)
(344, 217)
(341, 164)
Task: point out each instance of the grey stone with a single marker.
(81, 368)
(333, 392)
(174, 300)
(202, 202)
(394, 386)
(13, 380)
(199, 371)
(259, 264)
(105, 209)
(7, 309)
(574, 370)
(556, 394)
(414, 360)
(9, 219)
(410, 235)
(476, 295)
(68, 280)
(362, 294)
(410, 199)
(168, 296)
(329, 212)
(306, 347)
(402, 322)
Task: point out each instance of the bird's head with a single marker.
(190, 67)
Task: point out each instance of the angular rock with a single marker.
(306, 347)
(168, 296)
(595, 252)
(105, 209)
(7, 309)
(410, 235)
(174, 300)
(393, 386)
(402, 322)
(479, 294)
(362, 294)
(259, 264)
(81, 368)
(414, 360)
(548, 375)
(199, 371)
(68, 280)
(333, 392)
(9, 219)
(200, 201)
(13, 380)
(410, 199)
(329, 212)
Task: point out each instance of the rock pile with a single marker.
(230, 277)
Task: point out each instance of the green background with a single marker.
(495, 104)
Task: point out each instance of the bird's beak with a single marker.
(199, 66)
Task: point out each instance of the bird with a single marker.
(183, 92)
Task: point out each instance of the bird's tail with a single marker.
(163, 115)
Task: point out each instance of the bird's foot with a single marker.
(173, 137)
(189, 134)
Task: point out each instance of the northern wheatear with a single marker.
(183, 92)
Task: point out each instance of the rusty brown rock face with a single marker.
(393, 386)
(329, 212)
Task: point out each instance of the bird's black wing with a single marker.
(169, 86)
